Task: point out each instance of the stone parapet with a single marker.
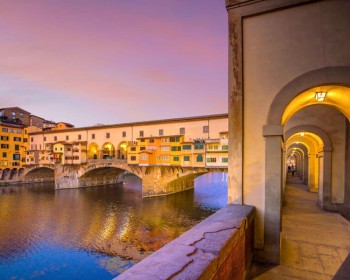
(220, 247)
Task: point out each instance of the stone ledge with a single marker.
(203, 251)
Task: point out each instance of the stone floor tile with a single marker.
(330, 264)
(301, 274)
(343, 253)
(308, 250)
(290, 253)
(327, 250)
(311, 264)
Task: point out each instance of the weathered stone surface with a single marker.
(203, 252)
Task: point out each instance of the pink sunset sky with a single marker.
(113, 61)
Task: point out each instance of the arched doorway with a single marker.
(108, 151)
(122, 150)
(93, 151)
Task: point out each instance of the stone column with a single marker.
(347, 168)
(306, 168)
(235, 104)
(273, 192)
(325, 178)
(312, 179)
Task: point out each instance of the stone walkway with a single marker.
(315, 243)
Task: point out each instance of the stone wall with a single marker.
(220, 247)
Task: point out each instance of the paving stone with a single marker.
(330, 264)
(315, 243)
(327, 250)
(343, 253)
(290, 254)
(308, 250)
(311, 264)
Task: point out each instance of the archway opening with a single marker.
(93, 151)
(108, 151)
(102, 176)
(122, 150)
(40, 174)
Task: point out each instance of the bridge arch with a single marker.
(40, 174)
(104, 175)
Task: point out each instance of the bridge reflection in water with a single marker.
(95, 232)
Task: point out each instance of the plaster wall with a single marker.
(193, 130)
(278, 47)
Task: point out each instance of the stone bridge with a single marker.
(156, 180)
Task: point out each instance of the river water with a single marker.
(96, 232)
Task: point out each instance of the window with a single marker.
(67, 137)
(25, 140)
(17, 139)
(186, 158)
(133, 158)
(16, 147)
(44, 138)
(124, 134)
(4, 129)
(161, 132)
(142, 148)
(198, 146)
(133, 149)
(5, 146)
(205, 129)
(93, 136)
(175, 139)
(55, 138)
(176, 158)
(4, 138)
(211, 159)
(13, 115)
(16, 157)
(142, 140)
(19, 131)
(166, 148)
(165, 157)
(79, 136)
(76, 158)
(141, 133)
(69, 149)
(225, 159)
(182, 130)
(187, 147)
(31, 139)
(199, 158)
(225, 147)
(165, 139)
(176, 148)
(21, 115)
(108, 135)
(143, 157)
(151, 140)
(4, 154)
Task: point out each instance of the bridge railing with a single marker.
(107, 160)
(220, 247)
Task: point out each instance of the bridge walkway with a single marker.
(315, 243)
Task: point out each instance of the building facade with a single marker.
(13, 146)
(172, 142)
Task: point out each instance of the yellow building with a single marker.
(13, 144)
(175, 149)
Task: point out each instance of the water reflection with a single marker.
(98, 231)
